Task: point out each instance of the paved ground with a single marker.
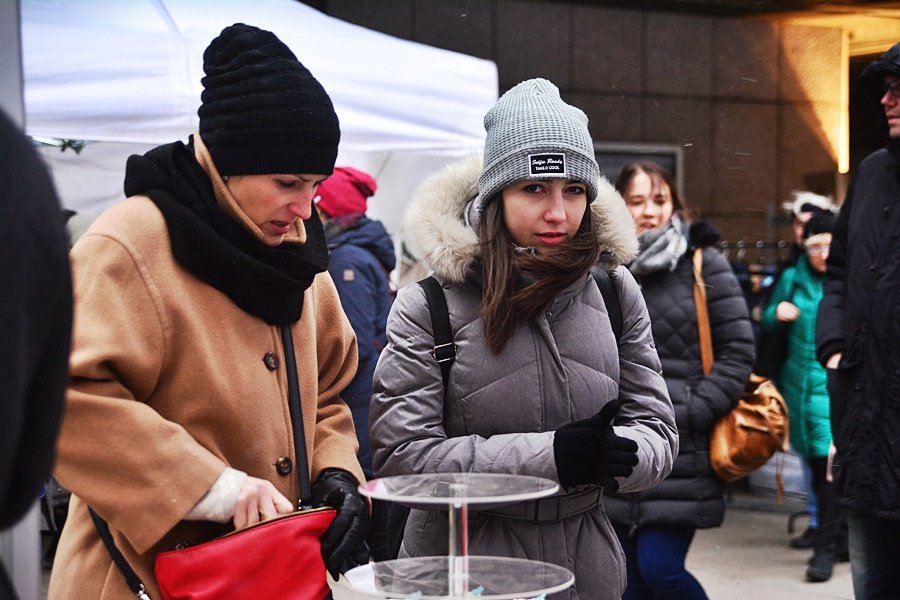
(749, 556)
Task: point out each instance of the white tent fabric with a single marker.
(125, 76)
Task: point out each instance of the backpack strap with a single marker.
(606, 282)
(444, 351)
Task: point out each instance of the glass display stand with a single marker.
(456, 575)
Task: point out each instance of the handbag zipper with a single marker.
(306, 511)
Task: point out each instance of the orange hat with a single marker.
(345, 192)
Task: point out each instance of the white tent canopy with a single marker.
(125, 76)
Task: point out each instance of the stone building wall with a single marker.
(756, 105)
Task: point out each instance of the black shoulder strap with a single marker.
(444, 351)
(606, 282)
(131, 578)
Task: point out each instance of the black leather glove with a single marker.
(341, 542)
(589, 451)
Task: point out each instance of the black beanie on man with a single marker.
(262, 111)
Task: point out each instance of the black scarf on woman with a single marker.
(264, 281)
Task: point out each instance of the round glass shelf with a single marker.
(443, 488)
(426, 578)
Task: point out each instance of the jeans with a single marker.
(811, 507)
(874, 556)
(655, 563)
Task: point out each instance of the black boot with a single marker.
(805, 539)
(821, 565)
(842, 552)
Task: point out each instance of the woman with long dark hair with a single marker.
(656, 527)
(539, 385)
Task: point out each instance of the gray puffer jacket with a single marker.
(500, 412)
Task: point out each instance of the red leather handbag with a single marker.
(277, 558)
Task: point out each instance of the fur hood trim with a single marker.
(437, 234)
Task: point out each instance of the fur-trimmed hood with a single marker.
(437, 233)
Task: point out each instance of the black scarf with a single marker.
(264, 281)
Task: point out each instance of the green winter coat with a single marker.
(803, 380)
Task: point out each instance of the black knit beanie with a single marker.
(822, 221)
(887, 64)
(262, 111)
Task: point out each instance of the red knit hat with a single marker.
(345, 192)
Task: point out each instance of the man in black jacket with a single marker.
(35, 326)
(858, 340)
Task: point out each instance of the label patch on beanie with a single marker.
(547, 164)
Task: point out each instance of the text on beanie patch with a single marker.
(547, 164)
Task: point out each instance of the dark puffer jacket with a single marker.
(691, 495)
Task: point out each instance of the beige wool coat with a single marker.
(171, 383)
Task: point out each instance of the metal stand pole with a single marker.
(458, 555)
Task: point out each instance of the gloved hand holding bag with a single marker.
(343, 544)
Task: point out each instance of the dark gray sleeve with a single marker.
(734, 347)
(646, 416)
(830, 317)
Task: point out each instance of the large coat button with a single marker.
(283, 465)
(271, 360)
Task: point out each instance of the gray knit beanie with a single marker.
(533, 134)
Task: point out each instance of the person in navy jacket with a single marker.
(361, 259)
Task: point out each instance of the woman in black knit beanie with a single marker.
(210, 346)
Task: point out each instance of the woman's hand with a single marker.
(341, 542)
(829, 477)
(257, 501)
(786, 312)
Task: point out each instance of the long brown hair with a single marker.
(518, 285)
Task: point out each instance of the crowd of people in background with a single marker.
(790, 313)
(240, 292)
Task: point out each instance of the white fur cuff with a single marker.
(218, 503)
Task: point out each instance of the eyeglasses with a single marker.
(893, 88)
(817, 249)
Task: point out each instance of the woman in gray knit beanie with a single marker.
(540, 367)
